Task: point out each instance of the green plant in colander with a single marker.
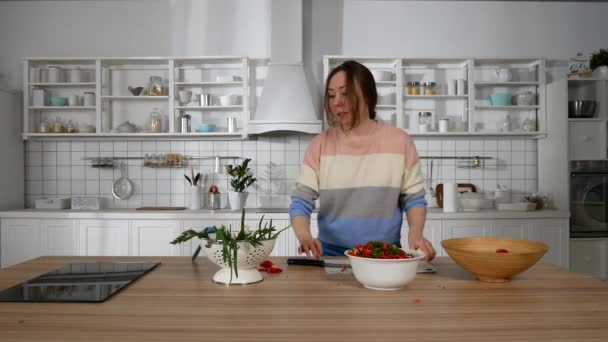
(598, 59)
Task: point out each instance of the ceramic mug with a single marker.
(73, 101)
(55, 74)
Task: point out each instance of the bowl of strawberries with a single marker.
(379, 265)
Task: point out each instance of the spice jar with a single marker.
(213, 198)
(43, 127)
(156, 121)
(57, 126)
(413, 88)
(425, 120)
(429, 88)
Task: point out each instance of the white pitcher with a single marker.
(503, 75)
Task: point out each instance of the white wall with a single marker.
(129, 28)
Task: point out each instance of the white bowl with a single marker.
(231, 100)
(471, 204)
(385, 274)
(382, 75)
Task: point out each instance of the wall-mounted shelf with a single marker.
(110, 79)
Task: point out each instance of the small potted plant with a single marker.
(599, 63)
(241, 179)
(238, 253)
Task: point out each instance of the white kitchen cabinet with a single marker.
(469, 111)
(590, 257)
(153, 237)
(431, 232)
(452, 229)
(555, 233)
(512, 228)
(61, 237)
(107, 80)
(104, 237)
(587, 140)
(21, 241)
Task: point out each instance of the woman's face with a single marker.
(338, 103)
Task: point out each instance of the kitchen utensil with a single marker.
(503, 75)
(581, 109)
(73, 101)
(206, 128)
(525, 98)
(183, 123)
(500, 99)
(58, 101)
(55, 74)
(471, 201)
(75, 75)
(385, 274)
(123, 187)
(195, 197)
(231, 124)
(89, 99)
(206, 100)
(462, 187)
(423, 266)
(494, 260)
(126, 127)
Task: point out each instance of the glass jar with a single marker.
(58, 126)
(413, 88)
(70, 127)
(428, 88)
(43, 127)
(156, 121)
(425, 120)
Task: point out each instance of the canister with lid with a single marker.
(413, 88)
(183, 122)
(425, 120)
(429, 88)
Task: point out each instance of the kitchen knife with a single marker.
(423, 266)
(314, 262)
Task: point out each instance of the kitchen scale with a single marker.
(79, 282)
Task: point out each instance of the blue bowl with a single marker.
(57, 101)
(500, 99)
(206, 128)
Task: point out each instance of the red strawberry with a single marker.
(262, 269)
(266, 264)
(502, 250)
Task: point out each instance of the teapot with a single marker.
(503, 75)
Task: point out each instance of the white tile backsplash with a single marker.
(59, 169)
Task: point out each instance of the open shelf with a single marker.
(505, 84)
(507, 107)
(64, 108)
(134, 98)
(63, 84)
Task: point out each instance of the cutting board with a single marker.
(161, 208)
(461, 187)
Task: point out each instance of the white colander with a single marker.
(248, 259)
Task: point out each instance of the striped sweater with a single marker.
(363, 185)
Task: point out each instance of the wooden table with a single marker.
(178, 302)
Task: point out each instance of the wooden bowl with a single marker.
(485, 257)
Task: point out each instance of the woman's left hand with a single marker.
(425, 245)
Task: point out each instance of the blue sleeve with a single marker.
(300, 207)
(416, 202)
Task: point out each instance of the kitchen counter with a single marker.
(279, 213)
(178, 302)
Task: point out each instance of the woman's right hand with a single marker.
(310, 246)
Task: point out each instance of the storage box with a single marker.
(52, 203)
(87, 203)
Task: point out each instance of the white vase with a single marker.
(237, 200)
(195, 197)
(600, 72)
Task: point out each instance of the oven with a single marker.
(589, 200)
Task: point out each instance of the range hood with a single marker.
(285, 103)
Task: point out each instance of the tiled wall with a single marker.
(58, 168)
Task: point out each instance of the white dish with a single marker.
(522, 206)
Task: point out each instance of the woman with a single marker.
(364, 173)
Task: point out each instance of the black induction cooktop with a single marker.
(81, 282)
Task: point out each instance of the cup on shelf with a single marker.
(75, 75)
(55, 74)
(206, 100)
(89, 99)
(184, 97)
(231, 124)
(74, 100)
